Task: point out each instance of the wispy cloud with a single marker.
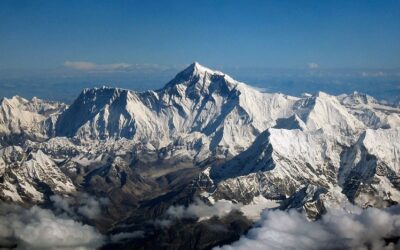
(85, 205)
(123, 236)
(80, 65)
(200, 210)
(313, 65)
(197, 210)
(113, 67)
(373, 74)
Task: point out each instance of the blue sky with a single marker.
(142, 44)
(289, 34)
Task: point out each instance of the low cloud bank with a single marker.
(197, 210)
(201, 210)
(59, 228)
(350, 228)
(85, 205)
(221, 208)
(37, 228)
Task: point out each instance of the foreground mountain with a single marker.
(204, 136)
(30, 176)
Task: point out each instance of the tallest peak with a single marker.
(198, 68)
(196, 72)
(196, 64)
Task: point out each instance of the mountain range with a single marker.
(204, 137)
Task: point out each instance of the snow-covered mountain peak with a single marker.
(198, 69)
(26, 173)
(371, 112)
(324, 111)
(102, 92)
(321, 94)
(198, 77)
(13, 101)
(19, 116)
(357, 98)
(93, 105)
(34, 105)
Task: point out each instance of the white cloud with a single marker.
(91, 207)
(80, 65)
(90, 66)
(197, 210)
(313, 65)
(62, 205)
(84, 205)
(162, 223)
(38, 228)
(114, 67)
(338, 229)
(373, 74)
(200, 210)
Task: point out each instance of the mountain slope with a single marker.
(277, 164)
(281, 162)
(32, 119)
(30, 176)
(372, 113)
